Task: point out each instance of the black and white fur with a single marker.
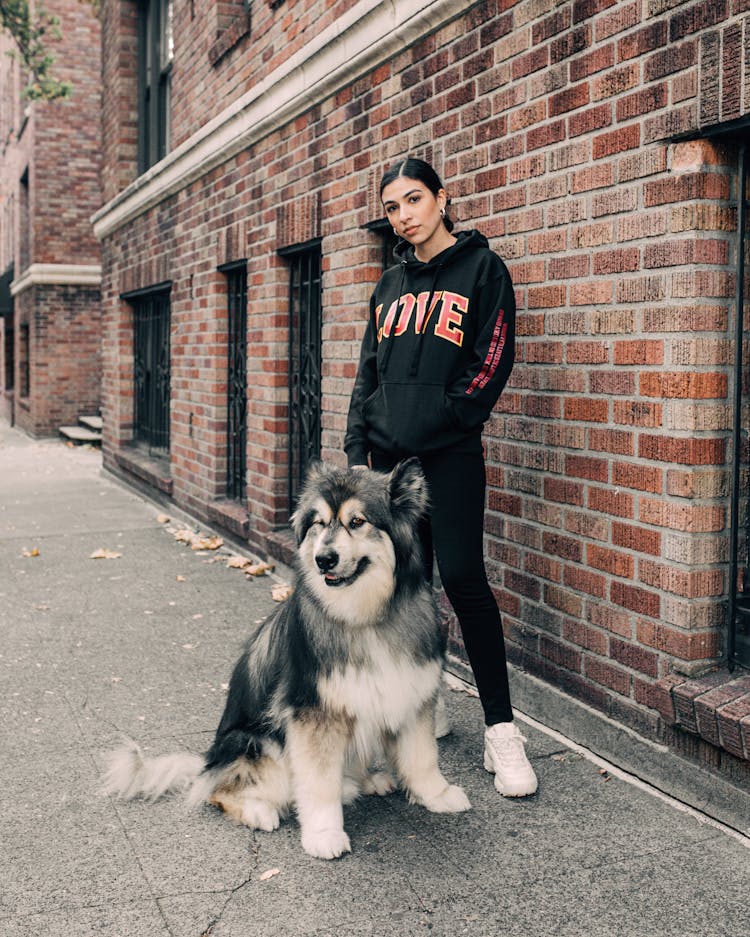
(349, 666)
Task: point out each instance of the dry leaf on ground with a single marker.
(207, 543)
(259, 569)
(34, 551)
(237, 562)
(281, 591)
(184, 536)
(162, 518)
(269, 873)
(104, 554)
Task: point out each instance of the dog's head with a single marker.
(356, 532)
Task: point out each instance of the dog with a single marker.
(347, 669)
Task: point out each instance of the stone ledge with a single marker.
(281, 546)
(232, 515)
(151, 471)
(715, 707)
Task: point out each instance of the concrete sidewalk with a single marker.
(143, 644)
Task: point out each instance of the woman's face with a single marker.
(414, 213)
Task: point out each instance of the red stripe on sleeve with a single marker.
(491, 361)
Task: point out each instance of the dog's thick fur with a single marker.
(349, 666)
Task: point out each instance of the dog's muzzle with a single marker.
(328, 560)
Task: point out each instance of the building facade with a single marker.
(600, 146)
(50, 271)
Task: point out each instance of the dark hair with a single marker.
(418, 169)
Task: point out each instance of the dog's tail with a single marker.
(130, 773)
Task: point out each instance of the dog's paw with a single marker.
(260, 815)
(451, 800)
(379, 782)
(326, 844)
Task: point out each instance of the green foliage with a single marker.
(31, 33)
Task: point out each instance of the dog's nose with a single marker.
(326, 560)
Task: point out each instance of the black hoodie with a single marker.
(436, 353)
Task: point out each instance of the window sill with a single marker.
(715, 707)
(152, 471)
(230, 515)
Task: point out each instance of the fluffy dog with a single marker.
(347, 668)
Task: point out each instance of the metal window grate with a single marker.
(151, 371)
(739, 596)
(305, 364)
(236, 382)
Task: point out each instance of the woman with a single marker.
(436, 354)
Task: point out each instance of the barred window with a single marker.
(305, 364)
(236, 275)
(151, 368)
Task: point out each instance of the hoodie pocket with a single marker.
(410, 418)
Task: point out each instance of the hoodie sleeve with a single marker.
(365, 384)
(473, 395)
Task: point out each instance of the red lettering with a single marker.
(452, 313)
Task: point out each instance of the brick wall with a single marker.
(561, 131)
(64, 376)
(48, 224)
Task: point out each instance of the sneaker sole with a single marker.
(488, 766)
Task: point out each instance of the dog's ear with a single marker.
(408, 488)
(315, 469)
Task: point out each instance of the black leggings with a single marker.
(455, 531)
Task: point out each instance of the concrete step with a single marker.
(80, 435)
(93, 422)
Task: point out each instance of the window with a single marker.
(236, 275)
(151, 368)
(739, 597)
(155, 54)
(305, 340)
(24, 223)
(24, 360)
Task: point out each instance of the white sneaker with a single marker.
(442, 722)
(505, 756)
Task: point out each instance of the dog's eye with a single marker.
(356, 522)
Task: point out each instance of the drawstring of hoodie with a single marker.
(417, 353)
(389, 347)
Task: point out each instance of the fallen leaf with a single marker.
(269, 873)
(237, 562)
(281, 591)
(259, 569)
(162, 518)
(207, 543)
(104, 554)
(180, 579)
(184, 536)
(34, 551)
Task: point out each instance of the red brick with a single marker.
(610, 561)
(607, 675)
(640, 477)
(637, 539)
(586, 409)
(683, 451)
(619, 503)
(630, 655)
(639, 352)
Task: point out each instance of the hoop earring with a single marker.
(442, 213)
